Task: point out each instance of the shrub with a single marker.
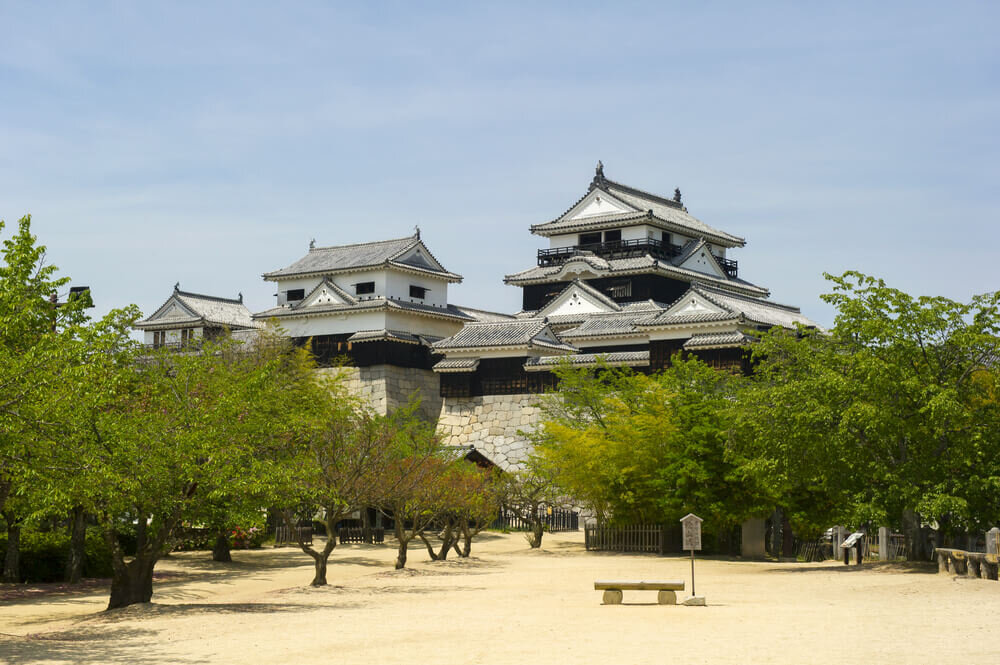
(245, 539)
(44, 555)
(195, 538)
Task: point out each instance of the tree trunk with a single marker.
(220, 551)
(319, 579)
(12, 559)
(787, 538)
(448, 538)
(537, 530)
(134, 584)
(777, 518)
(403, 543)
(77, 543)
(916, 542)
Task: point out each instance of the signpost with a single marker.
(853, 540)
(691, 526)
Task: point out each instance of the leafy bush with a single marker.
(195, 538)
(44, 555)
(246, 538)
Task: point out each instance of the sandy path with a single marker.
(512, 605)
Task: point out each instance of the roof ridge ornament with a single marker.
(312, 244)
(416, 228)
(677, 194)
(177, 286)
(599, 173)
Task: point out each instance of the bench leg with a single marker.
(665, 597)
(612, 597)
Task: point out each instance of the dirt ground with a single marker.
(509, 604)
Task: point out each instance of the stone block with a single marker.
(752, 542)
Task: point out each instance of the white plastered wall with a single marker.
(398, 287)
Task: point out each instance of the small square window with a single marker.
(362, 288)
(590, 238)
(613, 236)
(418, 292)
(296, 294)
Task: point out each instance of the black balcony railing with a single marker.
(611, 249)
(617, 249)
(729, 266)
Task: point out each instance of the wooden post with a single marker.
(692, 574)
(883, 543)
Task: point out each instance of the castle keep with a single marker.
(629, 277)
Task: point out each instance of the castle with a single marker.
(629, 278)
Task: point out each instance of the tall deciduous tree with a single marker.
(887, 418)
(343, 452)
(637, 448)
(36, 335)
(178, 428)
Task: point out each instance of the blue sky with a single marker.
(207, 143)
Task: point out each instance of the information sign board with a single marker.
(691, 532)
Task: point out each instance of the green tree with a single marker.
(36, 346)
(527, 493)
(344, 451)
(470, 501)
(887, 418)
(177, 432)
(638, 448)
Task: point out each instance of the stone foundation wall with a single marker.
(492, 424)
(387, 387)
(496, 425)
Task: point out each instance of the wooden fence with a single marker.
(284, 536)
(367, 535)
(653, 538)
(557, 520)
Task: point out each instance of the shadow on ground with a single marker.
(114, 646)
(898, 567)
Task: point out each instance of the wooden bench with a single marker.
(971, 564)
(613, 590)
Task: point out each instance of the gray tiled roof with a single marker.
(638, 264)
(364, 255)
(664, 212)
(380, 335)
(689, 249)
(482, 314)
(752, 310)
(757, 310)
(208, 310)
(587, 288)
(627, 358)
(705, 340)
(687, 319)
(449, 312)
(606, 325)
(457, 365)
(497, 334)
